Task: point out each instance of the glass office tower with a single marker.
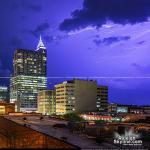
(29, 77)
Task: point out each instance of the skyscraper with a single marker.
(29, 77)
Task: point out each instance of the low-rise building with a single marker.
(6, 108)
(146, 109)
(46, 102)
(112, 108)
(136, 109)
(96, 117)
(133, 109)
(4, 94)
(102, 98)
(118, 108)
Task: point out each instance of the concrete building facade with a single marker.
(76, 96)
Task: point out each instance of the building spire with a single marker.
(40, 44)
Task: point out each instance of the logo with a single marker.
(129, 138)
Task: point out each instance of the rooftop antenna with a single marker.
(40, 44)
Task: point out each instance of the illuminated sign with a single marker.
(129, 138)
(122, 109)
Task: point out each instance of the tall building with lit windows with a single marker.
(29, 77)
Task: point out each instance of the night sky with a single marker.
(106, 40)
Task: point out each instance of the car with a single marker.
(24, 118)
(59, 125)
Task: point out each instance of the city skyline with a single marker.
(82, 47)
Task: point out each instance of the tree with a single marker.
(73, 117)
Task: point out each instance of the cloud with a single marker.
(26, 5)
(137, 66)
(48, 38)
(56, 38)
(141, 42)
(16, 41)
(4, 72)
(4, 76)
(97, 41)
(98, 12)
(110, 40)
(60, 37)
(140, 68)
(30, 6)
(14, 6)
(39, 29)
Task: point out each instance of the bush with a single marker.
(72, 117)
